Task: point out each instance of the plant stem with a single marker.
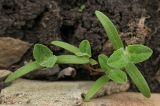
(22, 71)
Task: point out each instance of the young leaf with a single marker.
(49, 62)
(118, 76)
(82, 8)
(22, 71)
(92, 61)
(138, 53)
(66, 46)
(96, 87)
(102, 59)
(110, 30)
(117, 59)
(85, 47)
(138, 79)
(71, 59)
(41, 52)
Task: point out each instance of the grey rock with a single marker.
(41, 93)
(69, 71)
(11, 50)
(44, 73)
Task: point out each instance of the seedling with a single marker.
(84, 49)
(122, 58)
(44, 58)
(116, 67)
(82, 7)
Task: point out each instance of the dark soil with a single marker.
(46, 20)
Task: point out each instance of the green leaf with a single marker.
(66, 46)
(102, 59)
(71, 59)
(82, 8)
(110, 30)
(118, 76)
(22, 71)
(43, 56)
(138, 79)
(41, 52)
(85, 47)
(96, 87)
(92, 61)
(49, 62)
(80, 54)
(118, 59)
(138, 53)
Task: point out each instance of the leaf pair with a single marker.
(83, 50)
(133, 53)
(115, 75)
(44, 56)
(121, 58)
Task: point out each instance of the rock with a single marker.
(157, 76)
(41, 93)
(67, 72)
(111, 88)
(11, 50)
(125, 99)
(44, 73)
(4, 73)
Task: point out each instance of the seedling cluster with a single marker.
(121, 62)
(116, 67)
(44, 58)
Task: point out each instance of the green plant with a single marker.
(82, 8)
(116, 67)
(121, 62)
(44, 58)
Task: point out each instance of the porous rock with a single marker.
(11, 50)
(41, 93)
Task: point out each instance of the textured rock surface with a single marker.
(125, 99)
(41, 93)
(4, 73)
(11, 50)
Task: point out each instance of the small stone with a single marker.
(44, 73)
(157, 76)
(11, 50)
(67, 72)
(4, 73)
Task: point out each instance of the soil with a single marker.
(137, 21)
